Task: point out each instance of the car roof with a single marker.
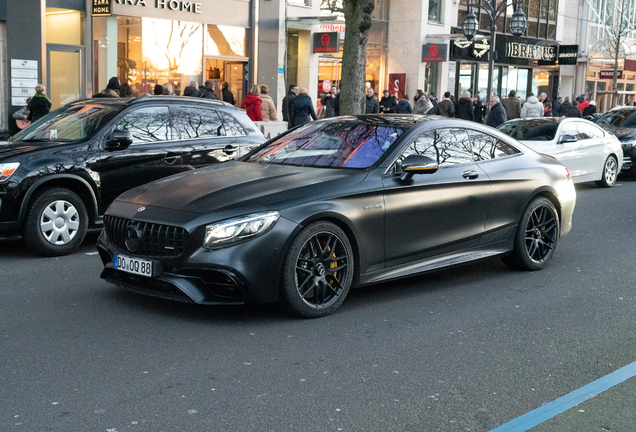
(625, 108)
(142, 99)
(538, 120)
(395, 120)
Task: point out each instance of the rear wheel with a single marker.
(55, 223)
(610, 172)
(537, 236)
(318, 271)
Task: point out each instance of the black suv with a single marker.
(58, 176)
(621, 121)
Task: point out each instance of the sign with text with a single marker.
(171, 5)
(434, 52)
(326, 42)
(568, 54)
(102, 7)
(397, 84)
(525, 51)
(24, 78)
(609, 74)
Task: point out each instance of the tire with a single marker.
(56, 222)
(536, 238)
(317, 271)
(610, 172)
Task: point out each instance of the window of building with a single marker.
(226, 41)
(435, 10)
(64, 26)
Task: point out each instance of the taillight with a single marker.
(567, 173)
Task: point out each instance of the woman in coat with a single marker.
(301, 109)
(40, 105)
(253, 104)
(464, 108)
(269, 109)
(421, 104)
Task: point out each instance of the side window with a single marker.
(487, 147)
(448, 146)
(569, 129)
(589, 131)
(232, 125)
(199, 123)
(146, 125)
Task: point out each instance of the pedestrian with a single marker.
(446, 107)
(168, 90)
(565, 106)
(113, 84)
(208, 90)
(227, 94)
(464, 109)
(192, 90)
(328, 102)
(218, 93)
(403, 106)
(388, 103)
(497, 114)
(252, 104)
(556, 107)
(583, 104)
(432, 99)
(293, 91)
(547, 109)
(126, 92)
(532, 107)
(591, 109)
(301, 109)
(421, 103)
(512, 106)
(479, 109)
(157, 90)
(371, 105)
(40, 104)
(574, 111)
(267, 103)
(542, 97)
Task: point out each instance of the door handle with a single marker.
(470, 174)
(171, 159)
(229, 149)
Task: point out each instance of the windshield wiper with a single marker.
(31, 140)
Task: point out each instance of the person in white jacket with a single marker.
(532, 107)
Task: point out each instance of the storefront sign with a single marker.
(525, 51)
(609, 74)
(173, 5)
(102, 7)
(326, 85)
(326, 42)
(434, 52)
(332, 28)
(397, 85)
(470, 50)
(568, 54)
(24, 78)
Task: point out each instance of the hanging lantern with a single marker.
(518, 23)
(471, 25)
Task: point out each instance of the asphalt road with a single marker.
(466, 349)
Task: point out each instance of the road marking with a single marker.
(570, 400)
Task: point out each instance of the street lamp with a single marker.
(518, 26)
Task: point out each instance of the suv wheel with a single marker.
(55, 223)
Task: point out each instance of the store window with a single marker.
(226, 41)
(64, 26)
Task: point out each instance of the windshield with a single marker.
(73, 123)
(618, 118)
(530, 130)
(334, 144)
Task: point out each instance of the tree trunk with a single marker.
(354, 55)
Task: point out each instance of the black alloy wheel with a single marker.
(537, 236)
(318, 271)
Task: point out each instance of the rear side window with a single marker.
(232, 126)
(487, 147)
(150, 124)
(589, 131)
(199, 123)
(447, 146)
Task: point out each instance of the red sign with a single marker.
(326, 42)
(434, 52)
(332, 28)
(630, 65)
(609, 74)
(397, 85)
(326, 85)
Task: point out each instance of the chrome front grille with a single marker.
(155, 240)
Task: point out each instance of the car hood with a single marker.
(238, 184)
(623, 134)
(19, 147)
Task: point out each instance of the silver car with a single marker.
(588, 152)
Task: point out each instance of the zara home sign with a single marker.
(174, 5)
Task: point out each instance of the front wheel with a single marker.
(610, 173)
(318, 271)
(55, 223)
(537, 236)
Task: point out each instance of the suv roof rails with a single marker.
(173, 97)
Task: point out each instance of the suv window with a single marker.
(150, 124)
(232, 125)
(487, 147)
(447, 146)
(199, 123)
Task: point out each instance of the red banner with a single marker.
(609, 74)
(397, 84)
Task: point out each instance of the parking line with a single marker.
(570, 400)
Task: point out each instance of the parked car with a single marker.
(621, 121)
(58, 176)
(342, 202)
(588, 152)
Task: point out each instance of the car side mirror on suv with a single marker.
(417, 164)
(119, 140)
(567, 139)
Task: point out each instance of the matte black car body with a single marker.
(623, 126)
(397, 227)
(98, 174)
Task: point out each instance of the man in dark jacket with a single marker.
(497, 114)
(372, 105)
(388, 104)
(446, 107)
(404, 107)
(512, 105)
(574, 110)
(293, 91)
(301, 109)
(565, 106)
(432, 98)
(464, 109)
(227, 94)
(556, 107)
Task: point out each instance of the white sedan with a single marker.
(588, 152)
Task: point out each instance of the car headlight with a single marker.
(239, 229)
(7, 169)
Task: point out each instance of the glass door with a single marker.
(235, 77)
(65, 74)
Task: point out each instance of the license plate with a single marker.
(133, 265)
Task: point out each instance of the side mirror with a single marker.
(417, 164)
(567, 139)
(119, 140)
